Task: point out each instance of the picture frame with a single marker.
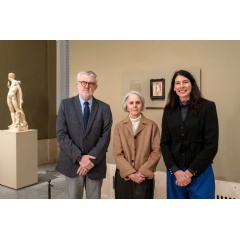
(157, 89)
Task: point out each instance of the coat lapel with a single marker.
(142, 123)
(128, 125)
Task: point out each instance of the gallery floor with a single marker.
(51, 184)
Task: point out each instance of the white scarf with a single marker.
(135, 123)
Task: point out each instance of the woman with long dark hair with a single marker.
(189, 139)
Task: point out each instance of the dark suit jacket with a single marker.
(192, 143)
(74, 141)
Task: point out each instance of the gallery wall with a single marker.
(34, 64)
(218, 61)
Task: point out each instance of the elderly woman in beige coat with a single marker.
(136, 149)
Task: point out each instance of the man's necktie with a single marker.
(86, 114)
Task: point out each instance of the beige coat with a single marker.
(136, 153)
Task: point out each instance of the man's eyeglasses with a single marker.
(84, 83)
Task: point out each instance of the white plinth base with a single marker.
(18, 158)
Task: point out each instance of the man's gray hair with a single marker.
(89, 73)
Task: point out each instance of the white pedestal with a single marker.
(18, 158)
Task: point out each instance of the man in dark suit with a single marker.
(82, 157)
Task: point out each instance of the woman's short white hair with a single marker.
(125, 98)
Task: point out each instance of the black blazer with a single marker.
(192, 143)
(74, 141)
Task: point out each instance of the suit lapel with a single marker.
(93, 113)
(78, 108)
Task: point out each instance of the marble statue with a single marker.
(15, 101)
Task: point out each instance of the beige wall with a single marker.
(219, 64)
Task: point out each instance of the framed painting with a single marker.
(157, 89)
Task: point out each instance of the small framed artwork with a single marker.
(157, 89)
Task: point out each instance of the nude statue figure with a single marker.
(15, 101)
